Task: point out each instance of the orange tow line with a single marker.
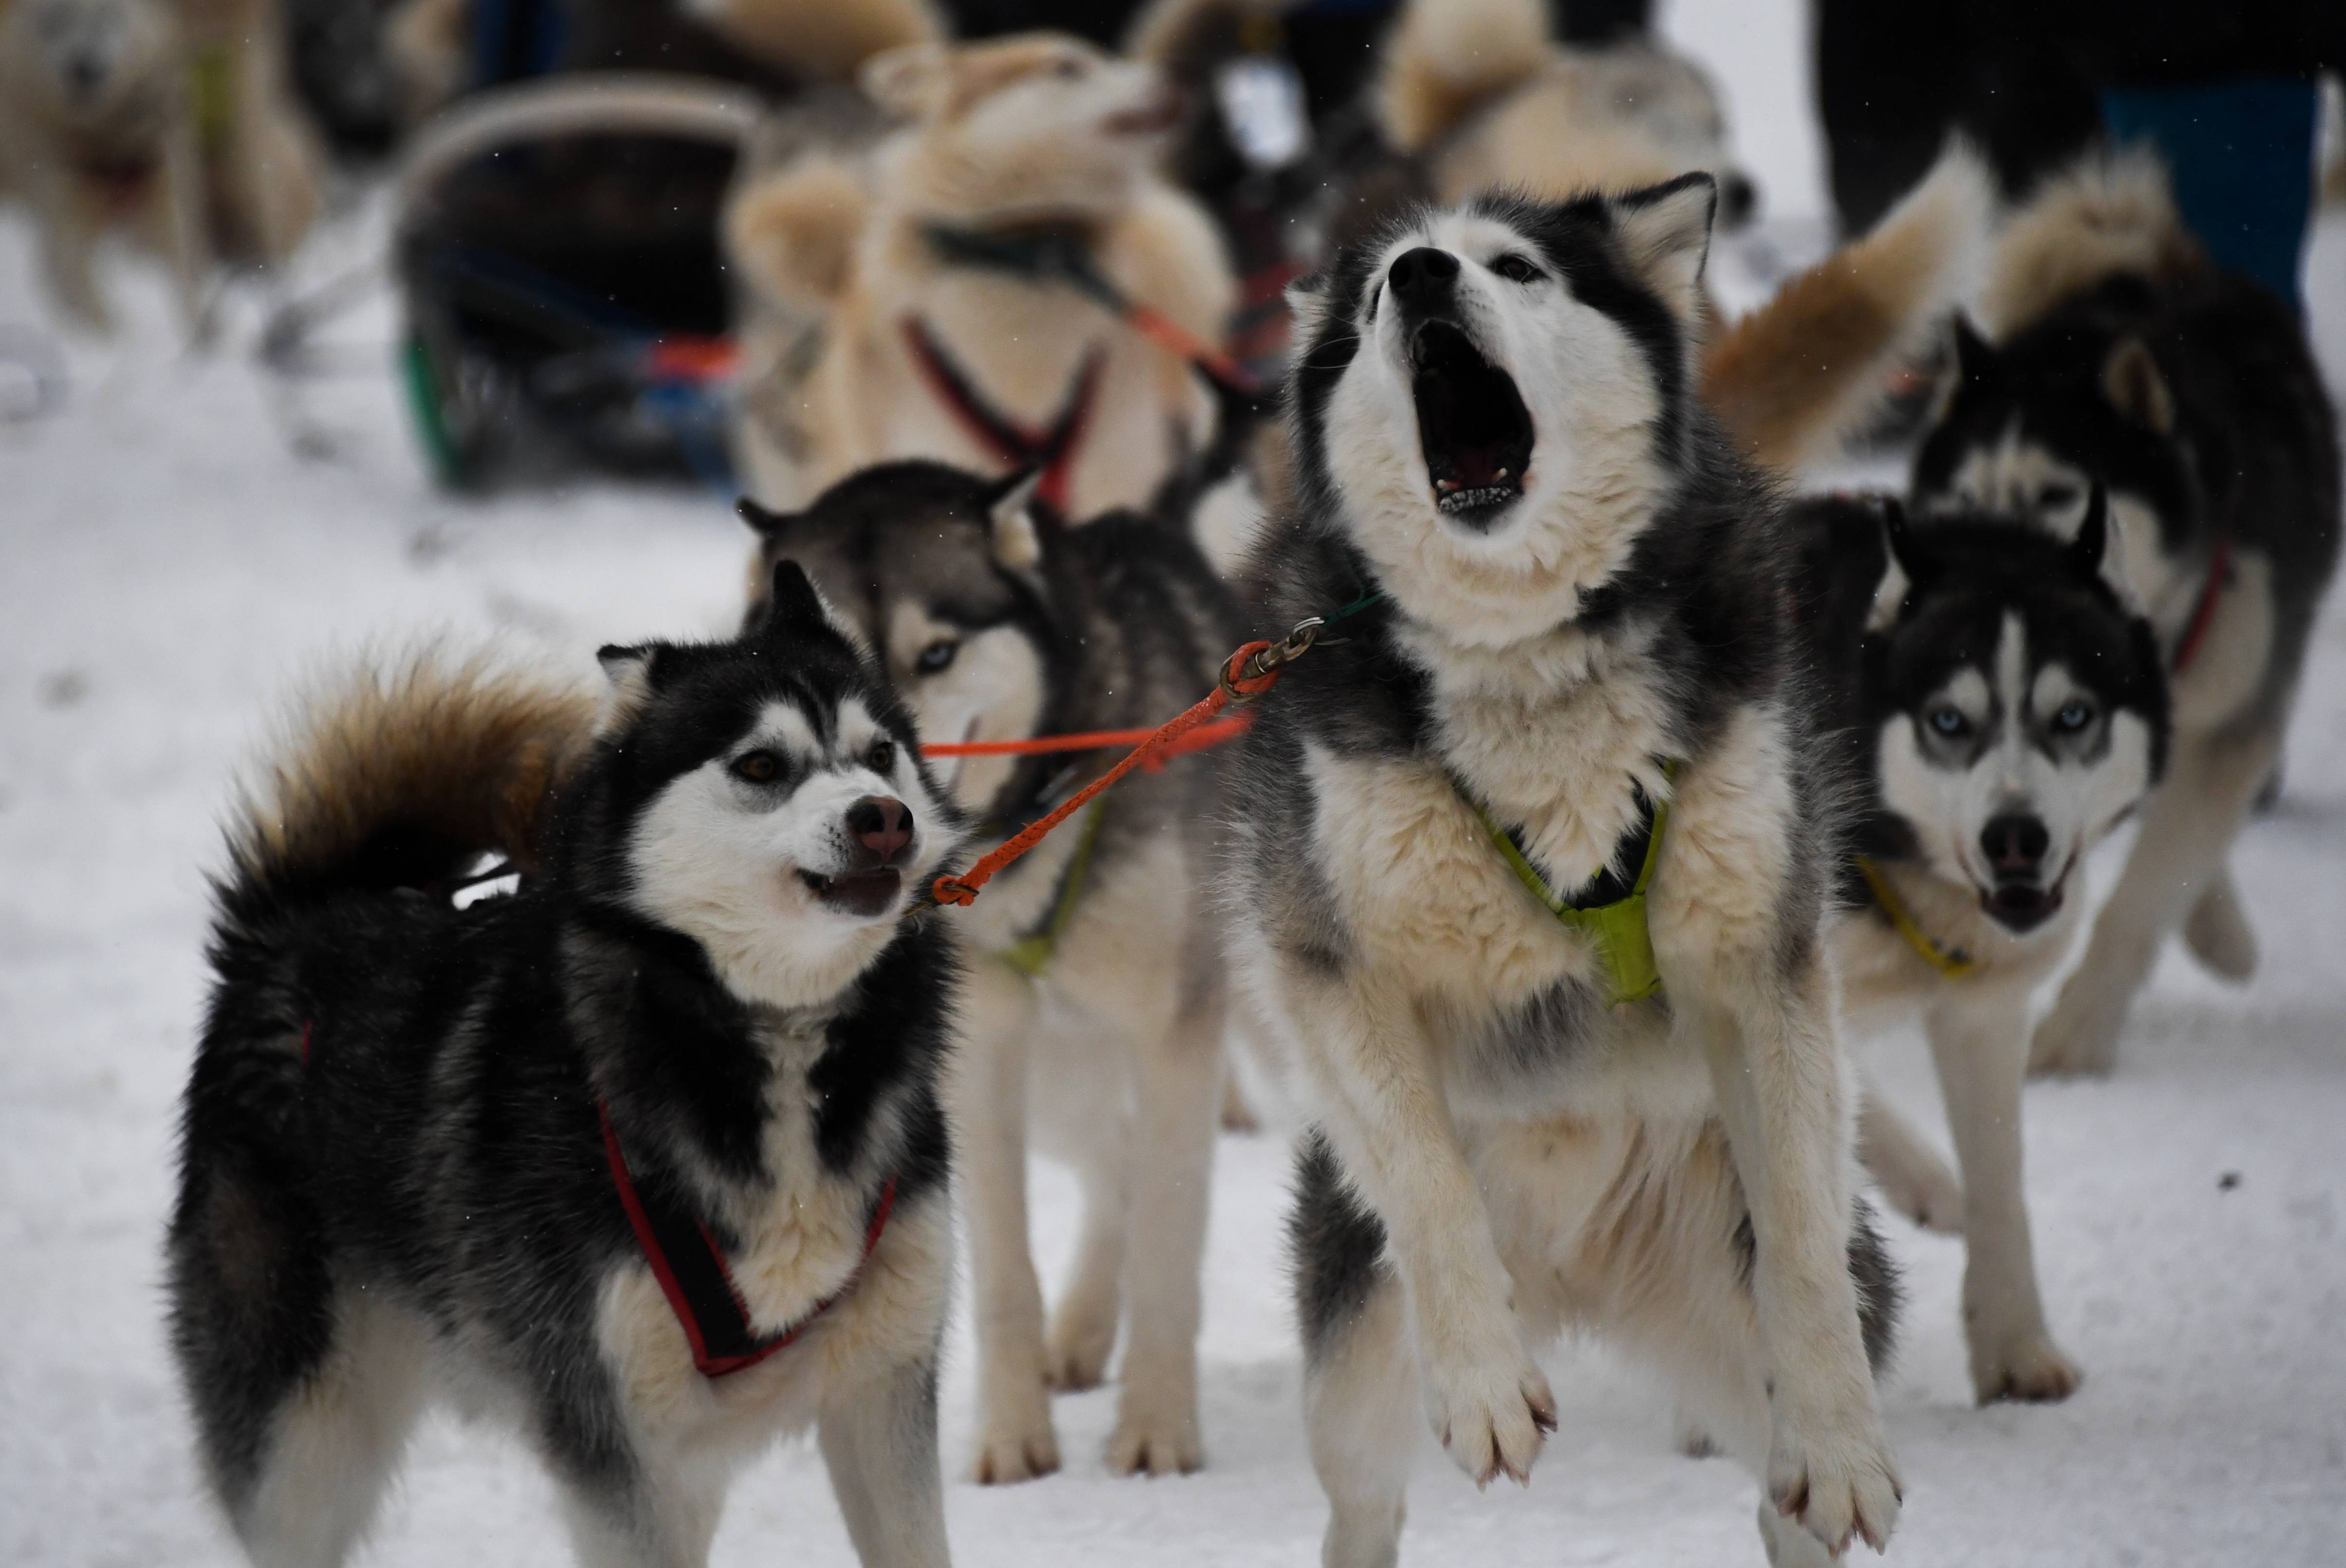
(1249, 672)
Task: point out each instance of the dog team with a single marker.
(1590, 795)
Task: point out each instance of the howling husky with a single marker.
(647, 1156)
(2003, 708)
(2121, 358)
(1531, 878)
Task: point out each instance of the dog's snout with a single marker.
(882, 826)
(1422, 279)
(2015, 844)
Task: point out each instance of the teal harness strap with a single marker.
(1618, 928)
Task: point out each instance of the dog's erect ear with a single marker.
(1010, 529)
(630, 670)
(2093, 538)
(1899, 576)
(792, 605)
(1665, 232)
(770, 524)
(2130, 380)
(910, 81)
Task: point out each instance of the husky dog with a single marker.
(2001, 711)
(1564, 662)
(263, 163)
(2122, 359)
(1032, 146)
(97, 135)
(1096, 1005)
(647, 1157)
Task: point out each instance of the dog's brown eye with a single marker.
(936, 657)
(757, 767)
(882, 756)
(1515, 269)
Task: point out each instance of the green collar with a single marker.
(1031, 955)
(1618, 929)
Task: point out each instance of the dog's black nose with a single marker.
(882, 825)
(1422, 279)
(2015, 844)
(1737, 197)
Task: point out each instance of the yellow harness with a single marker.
(1618, 928)
(1952, 962)
(1031, 955)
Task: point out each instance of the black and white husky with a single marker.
(1096, 999)
(646, 1157)
(2003, 708)
(2123, 359)
(1565, 659)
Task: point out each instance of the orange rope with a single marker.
(1178, 341)
(1168, 741)
(1213, 734)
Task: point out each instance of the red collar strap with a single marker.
(2203, 614)
(690, 1268)
(1015, 447)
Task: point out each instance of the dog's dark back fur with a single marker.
(397, 1097)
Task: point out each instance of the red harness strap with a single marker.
(2203, 614)
(690, 1268)
(1015, 445)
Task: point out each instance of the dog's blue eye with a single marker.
(2074, 715)
(757, 767)
(1949, 721)
(1515, 269)
(936, 655)
(882, 756)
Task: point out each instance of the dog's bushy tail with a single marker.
(1791, 379)
(2108, 213)
(401, 776)
(1446, 58)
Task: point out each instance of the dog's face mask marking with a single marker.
(786, 822)
(2013, 729)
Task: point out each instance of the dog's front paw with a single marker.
(2079, 1038)
(2219, 934)
(1155, 1437)
(1835, 1475)
(1014, 1442)
(1927, 1193)
(1491, 1411)
(2027, 1367)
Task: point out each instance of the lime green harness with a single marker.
(1618, 928)
(1031, 955)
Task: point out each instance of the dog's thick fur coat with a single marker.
(394, 1181)
(999, 623)
(1582, 604)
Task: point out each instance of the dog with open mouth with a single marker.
(1530, 882)
(2002, 707)
(647, 1156)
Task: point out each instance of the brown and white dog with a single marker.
(98, 137)
(864, 342)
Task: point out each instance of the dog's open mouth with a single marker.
(861, 893)
(2021, 907)
(1471, 423)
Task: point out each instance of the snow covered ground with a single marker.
(169, 566)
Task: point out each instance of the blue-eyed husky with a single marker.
(2003, 708)
(1531, 875)
(647, 1158)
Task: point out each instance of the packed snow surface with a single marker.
(173, 567)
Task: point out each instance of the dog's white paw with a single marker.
(1016, 1444)
(1492, 1409)
(1835, 1475)
(2079, 1038)
(2219, 936)
(1155, 1437)
(1074, 1357)
(2027, 1367)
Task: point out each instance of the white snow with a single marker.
(168, 567)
